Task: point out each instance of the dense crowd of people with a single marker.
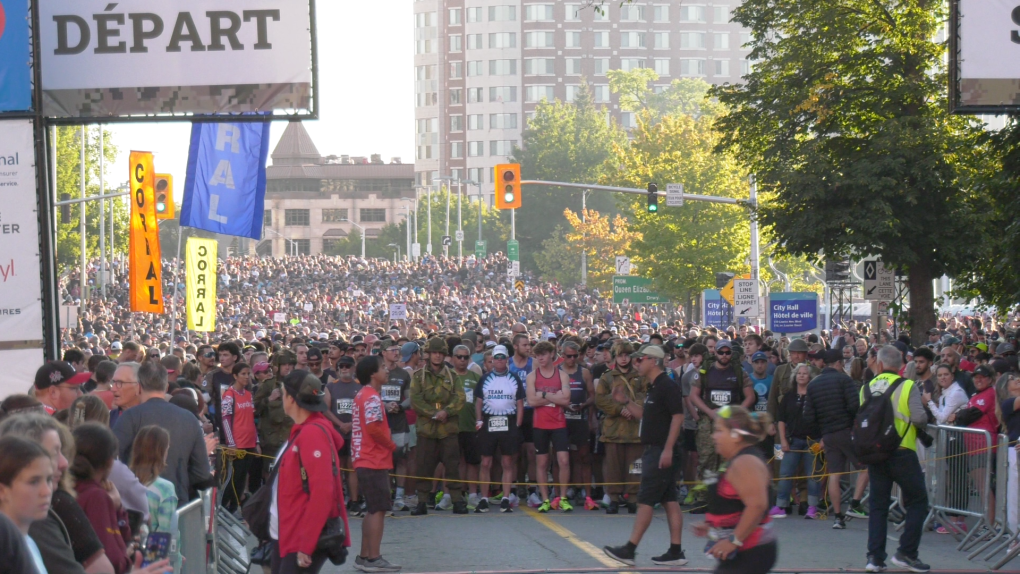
(484, 398)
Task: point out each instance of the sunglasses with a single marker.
(462, 357)
(571, 356)
(210, 355)
(724, 352)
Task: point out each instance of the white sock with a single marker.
(400, 492)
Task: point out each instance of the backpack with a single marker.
(874, 434)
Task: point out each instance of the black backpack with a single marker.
(874, 434)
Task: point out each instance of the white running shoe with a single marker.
(399, 505)
(514, 501)
(606, 501)
(445, 504)
(534, 501)
(473, 500)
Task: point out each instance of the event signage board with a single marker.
(715, 310)
(793, 312)
(144, 259)
(102, 59)
(15, 57)
(398, 311)
(985, 56)
(629, 289)
(225, 188)
(201, 283)
(745, 297)
(21, 310)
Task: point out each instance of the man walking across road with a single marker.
(662, 417)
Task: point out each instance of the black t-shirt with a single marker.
(664, 400)
(598, 370)
(791, 413)
(15, 554)
(397, 389)
(343, 395)
(721, 387)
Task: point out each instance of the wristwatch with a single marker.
(736, 542)
(543, 394)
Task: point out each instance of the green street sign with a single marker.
(480, 248)
(631, 289)
(513, 250)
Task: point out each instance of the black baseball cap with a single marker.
(306, 389)
(984, 371)
(53, 373)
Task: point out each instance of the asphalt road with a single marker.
(525, 540)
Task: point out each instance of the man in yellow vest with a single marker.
(902, 468)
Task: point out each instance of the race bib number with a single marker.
(469, 396)
(499, 424)
(391, 393)
(636, 467)
(720, 397)
(344, 406)
(572, 416)
(760, 406)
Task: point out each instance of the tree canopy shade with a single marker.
(568, 142)
(596, 235)
(844, 120)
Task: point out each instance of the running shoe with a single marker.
(691, 498)
(534, 501)
(912, 564)
(544, 507)
(445, 503)
(590, 504)
(683, 491)
(812, 513)
(514, 501)
(620, 554)
(875, 565)
(473, 500)
(777, 512)
(498, 497)
(839, 523)
(421, 510)
(439, 497)
(482, 506)
(504, 506)
(570, 492)
(460, 507)
(802, 508)
(565, 505)
(632, 507)
(670, 559)
(555, 503)
(857, 511)
(399, 505)
(613, 508)
(378, 565)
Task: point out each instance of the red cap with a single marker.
(79, 379)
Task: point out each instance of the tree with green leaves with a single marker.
(844, 119)
(68, 166)
(683, 96)
(568, 142)
(600, 237)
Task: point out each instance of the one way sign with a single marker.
(879, 281)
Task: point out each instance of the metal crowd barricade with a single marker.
(960, 481)
(1002, 508)
(190, 552)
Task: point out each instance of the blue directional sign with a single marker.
(793, 312)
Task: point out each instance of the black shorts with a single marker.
(468, 447)
(839, 451)
(691, 440)
(374, 485)
(558, 437)
(577, 432)
(527, 427)
(345, 451)
(658, 485)
(508, 442)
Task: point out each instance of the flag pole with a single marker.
(173, 301)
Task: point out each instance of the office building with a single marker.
(482, 66)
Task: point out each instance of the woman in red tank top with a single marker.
(548, 391)
(736, 520)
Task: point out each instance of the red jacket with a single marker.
(109, 523)
(301, 521)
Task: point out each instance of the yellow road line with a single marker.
(585, 546)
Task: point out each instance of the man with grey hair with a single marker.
(902, 468)
(187, 461)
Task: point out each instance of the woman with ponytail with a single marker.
(738, 502)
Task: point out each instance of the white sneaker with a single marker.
(606, 501)
(473, 500)
(534, 501)
(570, 493)
(445, 504)
(514, 501)
(411, 501)
(399, 505)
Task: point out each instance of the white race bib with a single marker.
(499, 424)
(344, 406)
(391, 393)
(636, 467)
(469, 396)
(720, 398)
(572, 416)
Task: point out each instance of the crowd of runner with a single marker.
(485, 399)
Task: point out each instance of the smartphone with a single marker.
(157, 547)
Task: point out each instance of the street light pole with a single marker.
(102, 216)
(83, 279)
(428, 198)
(460, 225)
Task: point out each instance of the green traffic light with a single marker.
(160, 207)
(653, 208)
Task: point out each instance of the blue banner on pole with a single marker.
(793, 312)
(225, 189)
(15, 57)
(716, 311)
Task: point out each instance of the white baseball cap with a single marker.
(486, 332)
(500, 350)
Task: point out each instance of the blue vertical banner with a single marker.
(225, 189)
(793, 312)
(15, 57)
(715, 310)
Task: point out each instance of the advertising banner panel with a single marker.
(21, 320)
(715, 310)
(145, 264)
(201, 284)
(985, 56)
(102, 59)
(225, 187)
(15, 57)
(793, 312)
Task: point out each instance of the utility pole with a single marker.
(428, 198)
(449, 191)
(83, 276)
(102, 214)
(584, 250)
(460, 224)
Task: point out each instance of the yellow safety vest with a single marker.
(901, 407)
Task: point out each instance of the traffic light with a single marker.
(508, 186)
(721, 279)
(164, 196)
(653, 198)
(837, 271)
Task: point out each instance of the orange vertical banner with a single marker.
(145, 262)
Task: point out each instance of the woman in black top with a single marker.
(797, 437)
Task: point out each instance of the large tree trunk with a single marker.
(922, 302)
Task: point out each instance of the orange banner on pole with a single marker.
(145, 263)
